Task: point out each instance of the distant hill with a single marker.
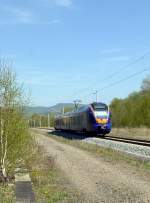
(59, 107)
(45, 110)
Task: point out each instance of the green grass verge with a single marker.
(7, 194)
(48, 183)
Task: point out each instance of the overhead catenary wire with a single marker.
(122, 80)
(126, 78)
(115, 73)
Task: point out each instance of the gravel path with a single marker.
(97, 180)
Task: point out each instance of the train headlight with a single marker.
(101, 120)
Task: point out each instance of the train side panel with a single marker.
(85, 120)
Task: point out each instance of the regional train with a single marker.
(92, 118)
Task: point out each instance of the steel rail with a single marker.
(108, 137)
(129, 140)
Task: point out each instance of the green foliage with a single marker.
(47, 182)
(38, 120)
(14, 136)
(146, 84)
(68, 109)
(134, 111)
(7, 194)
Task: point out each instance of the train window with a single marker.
(82, 108)
(100, 107)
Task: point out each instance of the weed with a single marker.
(7, 194)
(46, 179)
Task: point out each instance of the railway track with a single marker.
(134, 147)
(76, 135)
(128, 140)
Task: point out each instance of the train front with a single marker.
(102, 118)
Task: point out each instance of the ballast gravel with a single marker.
(142, 152)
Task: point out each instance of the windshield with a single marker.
(101, 114)
(100, 107)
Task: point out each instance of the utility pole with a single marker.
(40, 121)
(34, 123)
(96, 92)
(76, 103)
(28, 122)
(1, 122)
(63, 110)
(48, 120)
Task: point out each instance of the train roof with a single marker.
(81, 109)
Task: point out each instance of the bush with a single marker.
(133, 111)
(14, 136)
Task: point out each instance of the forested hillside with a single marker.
(133, 111)
(58, 108)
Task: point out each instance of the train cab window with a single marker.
(100, 107)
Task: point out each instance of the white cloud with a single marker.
(16, 15)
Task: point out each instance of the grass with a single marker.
(48, 183)
(139, 133)
(7, 194)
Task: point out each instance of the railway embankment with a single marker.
(129, 147)
(129, 144)
(99, 174)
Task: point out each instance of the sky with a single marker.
(64, 50)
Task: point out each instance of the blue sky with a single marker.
(65, 49)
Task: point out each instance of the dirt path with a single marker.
(97, 180)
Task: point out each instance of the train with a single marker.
(92, 118)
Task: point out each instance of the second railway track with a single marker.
(75, 135)
(129, 140)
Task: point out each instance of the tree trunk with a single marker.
(3, 174)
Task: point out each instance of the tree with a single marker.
(14, 136)
(146, 84)
(68, 109)
(115, 108)
(133, 111)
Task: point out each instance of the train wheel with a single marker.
(103, 135)
(84, 130)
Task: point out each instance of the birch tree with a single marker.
(14, 135)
